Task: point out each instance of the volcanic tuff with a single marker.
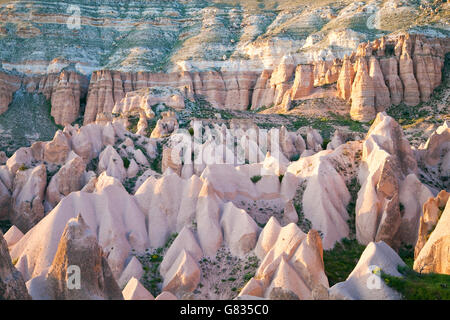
(314, 137)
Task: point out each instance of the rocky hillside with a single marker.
(45, 36)
(225, 149)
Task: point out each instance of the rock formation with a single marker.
(65, 98)
(363, 94)
(134, 290)
(382, 98)
(12, 285)
(292, 264)
(389, 67)
(78, 247)
(28, 197)
(9, 84)
(386, 160)
(431, 251)
(345, 80)
(68, 179)
(303, 81)
(365, 282)
(166, 125)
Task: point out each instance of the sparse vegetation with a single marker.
(416, 286)
(126, 162)
(151, 261)
(341, 260)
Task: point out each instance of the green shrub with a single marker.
(255, 179)
(126, 162)
(341, 260)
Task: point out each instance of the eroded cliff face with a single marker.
(405, 68)
(8, 85)
(400, 69)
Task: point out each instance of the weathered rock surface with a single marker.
(433, 244)
(12, 236)
(111, 163)
(292, 264)
(12, 285)
(110, 212)
(240, 230)
(68, 179)
(57, 150)
(78, 247)
(303, 81)
(345, 80)
(8, 85)
(363, 93)
(387, 159)
(65, 98)
(134, 290)
(166, 125)
(28, 197)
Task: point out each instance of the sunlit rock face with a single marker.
(190, 35)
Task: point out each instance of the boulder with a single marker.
(57, 150)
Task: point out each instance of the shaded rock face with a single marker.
(56, 151)
(67, 91)
(12, 285)
(232, 90)
(68, 179)
(433, 244)
(79, 247)
(8, 85)
(64, 90)
(166, 125)
(27, 197)
(435, 153)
